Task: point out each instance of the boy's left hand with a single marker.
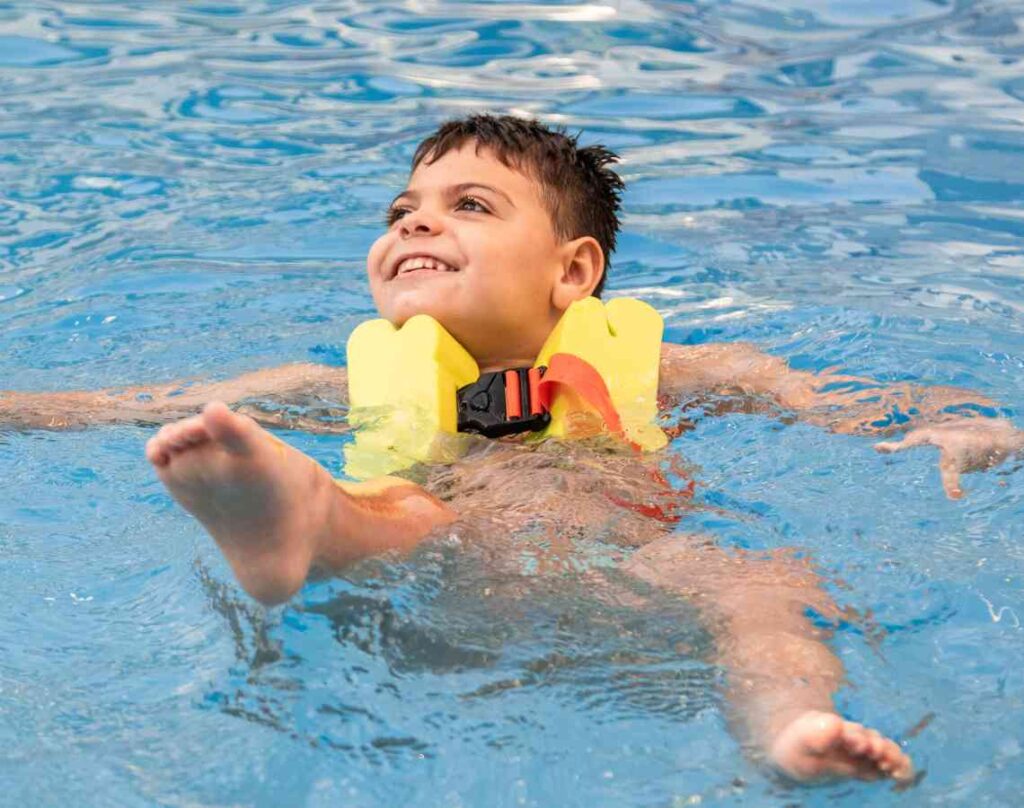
(966, 444)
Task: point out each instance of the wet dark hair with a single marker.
(582, 194)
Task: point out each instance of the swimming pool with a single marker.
(189, 189)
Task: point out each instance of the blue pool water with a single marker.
(189, 189)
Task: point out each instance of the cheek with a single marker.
(374, 260)
(376, 254)
(510, 264)
(522, 274)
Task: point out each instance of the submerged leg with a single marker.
(274, 511)
(781, 675)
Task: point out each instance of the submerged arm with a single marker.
(963, 424)
(840, 402)
(269, 396)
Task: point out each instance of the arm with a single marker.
(942, 416)
(263, 394)
(839, 402)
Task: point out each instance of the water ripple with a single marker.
(190, 189)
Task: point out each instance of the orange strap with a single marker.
(580, 377)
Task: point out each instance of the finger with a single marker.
(950, 477)
(889, 446)
(919, 437)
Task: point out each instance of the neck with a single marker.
(519, 351)
(492, 365)
(512, 349)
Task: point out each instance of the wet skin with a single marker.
(277, 515)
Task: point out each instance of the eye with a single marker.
(467, 203)
(394, 213)
(472, 204)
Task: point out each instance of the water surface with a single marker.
(189, 189)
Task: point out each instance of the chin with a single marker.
(397, 312)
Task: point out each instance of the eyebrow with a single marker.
(455, 190)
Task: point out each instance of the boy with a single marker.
(504, 224)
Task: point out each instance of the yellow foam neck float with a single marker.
(412, 388)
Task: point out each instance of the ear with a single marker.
(582, 268)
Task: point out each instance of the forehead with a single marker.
(469, 164)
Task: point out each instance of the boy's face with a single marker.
(472, 245)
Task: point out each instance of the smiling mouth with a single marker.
(420, 264)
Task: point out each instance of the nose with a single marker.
(419, 222)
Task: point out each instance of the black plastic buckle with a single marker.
(482, 406)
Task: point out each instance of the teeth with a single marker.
(422, 262)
